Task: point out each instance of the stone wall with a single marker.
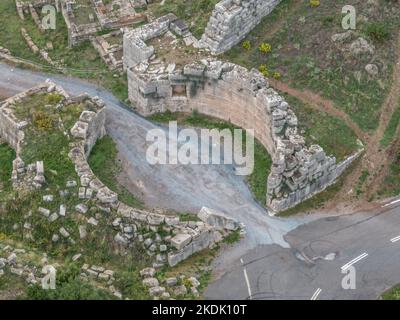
(242, 97)
(90, 127)
(189, 237)
(11, 128)
(135, 47)
(232, 20)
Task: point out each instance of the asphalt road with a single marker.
(312, 266)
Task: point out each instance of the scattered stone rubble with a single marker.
(110, 53)
(232, 20)
(172, 286)
(135, 49)
(12, 261)
(115, 15)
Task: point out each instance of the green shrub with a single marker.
(246, 45)
(377, 31)
(42, 121)
(265, 48)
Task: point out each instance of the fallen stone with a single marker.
(44, 211)
(156, 291)
(171, 281)
(148, 272)
(93, 221)
(63, 210)
(179, 290)
(71, 184)
(81, 208)
(82, 231)
(64, 232)
(195, 283)
(53, 217)
(217, 219)
(48, 198)
(76, 257)
(151, 282)
(181, 240)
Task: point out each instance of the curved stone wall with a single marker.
(232, 20)
(232, 93)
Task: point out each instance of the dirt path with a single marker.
(377, 158)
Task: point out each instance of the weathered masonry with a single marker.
(232, 20)
(242, 97)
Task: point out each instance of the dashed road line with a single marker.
(246, 278)
(350, 263)
(395, 239)
(316, 294)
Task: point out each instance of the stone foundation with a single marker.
(232, 20)
(242, 97)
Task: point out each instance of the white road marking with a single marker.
(395, 239)
(316, 294)
(390, 203)
(246, 278)
(350, 263)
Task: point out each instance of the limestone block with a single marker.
(217, 219)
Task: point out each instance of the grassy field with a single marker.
(303, 53)
(7, 155)
(329, 132)
(103, 161)
(262, 161)
(81, 61)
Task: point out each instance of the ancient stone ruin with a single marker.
(232, 20)
(242, 97)
(181, 238)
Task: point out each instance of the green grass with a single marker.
(393, 294)
(233, 237)
(7, 155)
(257, 180)
(103, 162)
(391, 129)
(331, 133)
(305, 56)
